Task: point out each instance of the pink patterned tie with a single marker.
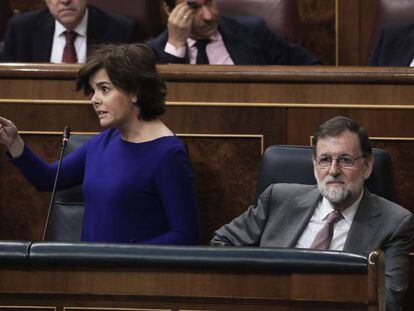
(324, 236)
(69, 52)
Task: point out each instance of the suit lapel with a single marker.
(43, 38)
(401, 46)
(408, 48)
(305, 208)
(366, 223)
(235, 43)
(290, 227)
(406, 51)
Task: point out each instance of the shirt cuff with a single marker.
(16, 159)
(177, 52)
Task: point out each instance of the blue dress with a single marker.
(134, 192)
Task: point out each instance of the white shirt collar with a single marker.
(348, 213)
(215, 37)
(80, 29)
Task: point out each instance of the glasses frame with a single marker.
(339, 163)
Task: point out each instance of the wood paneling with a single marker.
(348, 24)
(402, 154)
(20, 6)
(226, 171)
(356, 33)
(317, 28)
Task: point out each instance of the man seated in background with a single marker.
(338, 213)
(5, 14)
(394, 46)
(64, 32)
(198, 34)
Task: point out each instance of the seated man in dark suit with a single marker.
(64, 32)
(394, 46)
(337, 214)
(197, 34)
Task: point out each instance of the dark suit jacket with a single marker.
(249, 42)
(394, 46)
(29, 36)
(284, 210)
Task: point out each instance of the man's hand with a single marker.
(179, 25)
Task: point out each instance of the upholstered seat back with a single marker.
(282, 16)
(391, 11)
(147, 13)
(294, 164)
(5, 14)
(67, 211)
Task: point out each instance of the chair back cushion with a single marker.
(294, 164)
(148, 14)
(281, 16)
(5, 14)
(67, 211)
(391, 11)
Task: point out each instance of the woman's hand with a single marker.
(10, 137)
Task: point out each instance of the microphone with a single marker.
(66, 135)
(65, 139)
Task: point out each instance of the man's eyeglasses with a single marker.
(343, 161)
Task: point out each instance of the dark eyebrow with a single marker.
(102, 83)
(325, 156)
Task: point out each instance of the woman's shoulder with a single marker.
(172, 143)
(169, 148)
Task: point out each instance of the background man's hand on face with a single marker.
(179, 25)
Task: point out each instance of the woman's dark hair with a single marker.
(131, 68)
(336, 126)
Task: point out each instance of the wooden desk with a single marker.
(226, 115)
(249, 280)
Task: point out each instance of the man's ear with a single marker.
(368, 165)
(165, 9)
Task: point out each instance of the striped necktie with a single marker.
(324, 237)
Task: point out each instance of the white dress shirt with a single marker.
(217, 53)
(318, 220)
(59, 40)
(412, 63)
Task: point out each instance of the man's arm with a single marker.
(396, 251)
(9, 48)
(247, 229)
(374, 59)
(280, 51)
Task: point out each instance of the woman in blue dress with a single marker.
(136, 176)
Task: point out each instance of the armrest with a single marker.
(14, 253)
(203, 257)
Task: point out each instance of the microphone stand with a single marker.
(65, 139)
